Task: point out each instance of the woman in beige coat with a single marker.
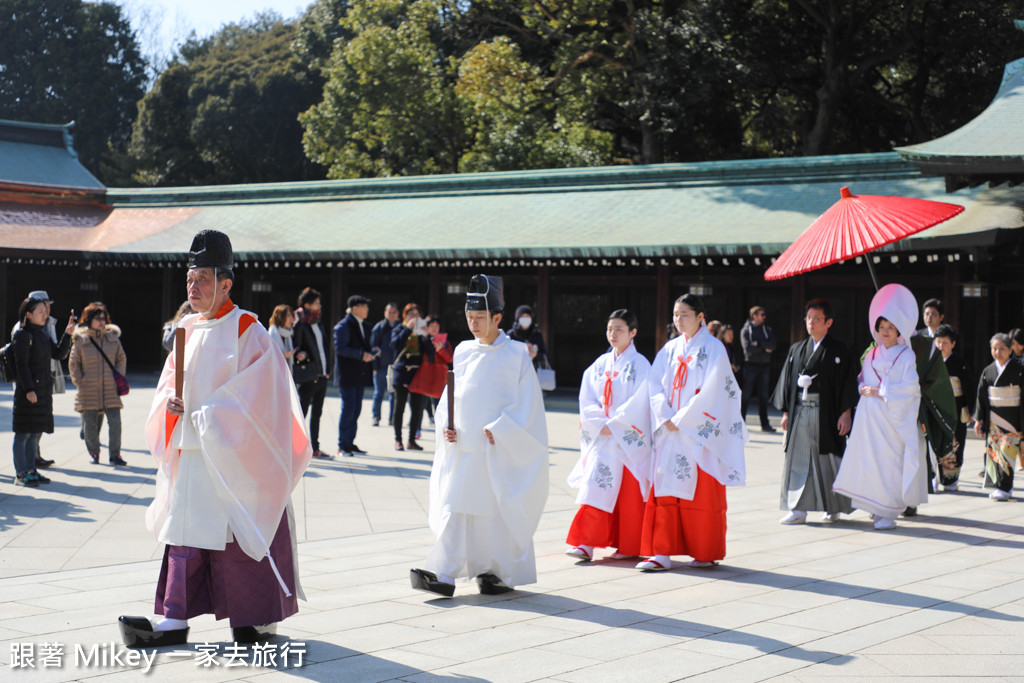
(97, 391)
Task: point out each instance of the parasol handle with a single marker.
(871, 269)
(451, 400)
(179, 362)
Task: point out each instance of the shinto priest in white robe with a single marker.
(486, 500)
(227, 467)
(883, 471)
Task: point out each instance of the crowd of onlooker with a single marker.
(404, 356)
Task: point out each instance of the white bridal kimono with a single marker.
(613, 394)
(882, 471)
(227, 468)
(692, 384)
(486, 500)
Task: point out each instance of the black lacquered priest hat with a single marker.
(486, 293)
(211, 249)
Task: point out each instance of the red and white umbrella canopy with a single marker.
(855, 225)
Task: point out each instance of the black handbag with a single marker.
(304, 371)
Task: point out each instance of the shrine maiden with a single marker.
(698, 444)
(615, 447)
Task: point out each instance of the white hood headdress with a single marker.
(896, 304)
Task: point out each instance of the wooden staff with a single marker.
(179, 361)
(451, 399)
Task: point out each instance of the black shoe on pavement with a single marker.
(42, 463)
(117, 461)
(769, 430)
(413, 446)
(422, 580)
(137, 632)
(357, 450)
(489, 584)
(254, 634)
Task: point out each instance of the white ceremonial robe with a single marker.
(227, 469)
(882, 470)
(598, 472)
(706, 410)
(486, 500)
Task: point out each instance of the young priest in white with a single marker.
(489, 481)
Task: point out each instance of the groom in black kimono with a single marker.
(816, 393)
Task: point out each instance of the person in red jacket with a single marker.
(430, 379)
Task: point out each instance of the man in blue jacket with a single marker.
(758, 342)
(380, 344)
(353, 354)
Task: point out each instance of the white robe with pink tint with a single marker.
(598, 472)
(228, 468)
(711, 433)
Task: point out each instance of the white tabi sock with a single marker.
(168, 624)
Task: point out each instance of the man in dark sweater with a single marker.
(353, 370)
(758, 342)
(311, 349)
(380, 345)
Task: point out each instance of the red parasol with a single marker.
(855, 225)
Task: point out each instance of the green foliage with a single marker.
(225, 111)
(64, 60)
(389, 106)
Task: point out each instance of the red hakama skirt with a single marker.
(673, 526)
(619, 529)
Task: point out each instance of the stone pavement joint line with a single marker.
(940, 597)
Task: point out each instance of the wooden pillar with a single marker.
(951, 294)
(173, 291)
(434, 293)
(543, 312)
(5, 323)
(797, 329)
(662, 306)
(338, 300)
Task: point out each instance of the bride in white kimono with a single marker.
(882, 470)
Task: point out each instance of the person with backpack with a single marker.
(33, 390)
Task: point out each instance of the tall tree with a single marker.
(225, 111)
(64, 60)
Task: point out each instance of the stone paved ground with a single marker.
(942, 596)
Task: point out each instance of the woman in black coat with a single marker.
(524, 329)
(33, 391)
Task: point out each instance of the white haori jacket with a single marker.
(496, 388)
(227, 468)
(613, 394)
(691, 384)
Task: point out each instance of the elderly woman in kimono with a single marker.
(1000, 416)
(698, 444)
(883, 471)
(615, 447)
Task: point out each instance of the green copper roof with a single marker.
(990, 145)
(720, 208)
(41, 154)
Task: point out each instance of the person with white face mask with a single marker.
(525, 330)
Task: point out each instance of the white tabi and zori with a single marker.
(698, 444)
(229, 450)
(883, 471)
(489, 480)
(612, 473)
